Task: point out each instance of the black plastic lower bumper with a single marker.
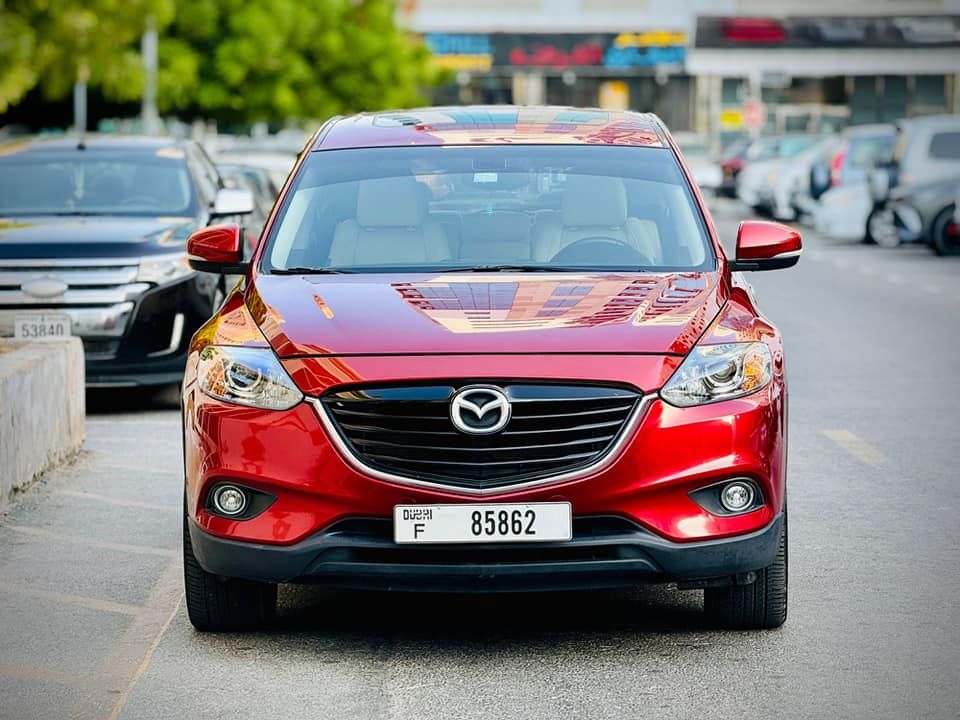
(604, 553)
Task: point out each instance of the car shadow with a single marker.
(368, 617)
(106, 401)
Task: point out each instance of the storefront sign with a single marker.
(731, 119)
(461, 52)
(480, 52)
(819, 32)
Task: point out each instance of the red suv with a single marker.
(487, 349)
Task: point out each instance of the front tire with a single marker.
(216, 604)
(944, 242)
(761, 605)
(882, 229)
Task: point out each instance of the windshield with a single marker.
(489, 207)
(96, 182)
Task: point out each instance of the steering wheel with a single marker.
(609, 250)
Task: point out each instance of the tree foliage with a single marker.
(92, 40)
(232, 60)
(241, 60)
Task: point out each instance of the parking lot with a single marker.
(90, 574)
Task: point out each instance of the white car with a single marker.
(757, 182)
(842, 211)
(707, 174)
(843, 201)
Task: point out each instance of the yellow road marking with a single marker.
(147, 629)
(31, 673)
(80, 600)
(856, 446)
(122, 502)
(76, 540)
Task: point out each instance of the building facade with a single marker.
(809, 65)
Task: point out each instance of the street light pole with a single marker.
(80, 98)
(149, 116)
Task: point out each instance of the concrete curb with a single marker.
(42, 409)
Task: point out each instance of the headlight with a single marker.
(711, 373)
(246, 376)
(162, 269)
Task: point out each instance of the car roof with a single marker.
(89, 142)
(494, 124)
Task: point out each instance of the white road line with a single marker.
(79, 600)
(856, 446)
(103, 545)
(121, 502)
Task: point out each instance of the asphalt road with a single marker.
(92, 623)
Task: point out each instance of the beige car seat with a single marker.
(390, 227)
(595, 206)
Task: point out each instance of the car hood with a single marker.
(91, 236)
(484, 313)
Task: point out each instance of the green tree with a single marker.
(17, 73)
(96, 41)
(55, 43)
(242, 61)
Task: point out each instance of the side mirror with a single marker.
(232, 201)
(766, 246)
(217, 249)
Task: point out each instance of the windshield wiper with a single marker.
(72, 213)
(512, 268)
(308, 271)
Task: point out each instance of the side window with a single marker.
(945, 146)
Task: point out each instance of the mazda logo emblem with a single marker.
(480, 410)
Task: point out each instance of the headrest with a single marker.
(593, 201)
(391, 202)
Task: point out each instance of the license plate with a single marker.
(483, 523)
(41, 326)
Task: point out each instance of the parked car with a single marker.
(707, 174)
(276, 162)
(788, 177)
(756, 180)
(93, 243)
(927, 149)
(738, 154)
(261, 186)
(839, 197)
(924, 213)
(371, 407)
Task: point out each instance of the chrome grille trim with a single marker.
(100, 293)
(606, 459)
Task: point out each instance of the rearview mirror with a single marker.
(232, 201)
(765, 245)
(217, 249)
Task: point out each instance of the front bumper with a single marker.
(151, 347)
(605, 552)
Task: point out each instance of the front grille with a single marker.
(97, 294)
(553, 429)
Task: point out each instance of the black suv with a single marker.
(93, 243)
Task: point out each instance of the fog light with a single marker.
(736, 496)
(229, 500)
